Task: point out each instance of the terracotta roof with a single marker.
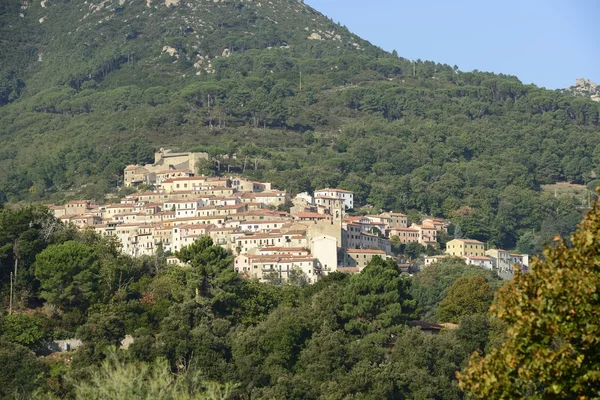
(262, 221)
(282, 249)
(366, 251)
(310, 215)
(192, 226)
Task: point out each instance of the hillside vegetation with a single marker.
(88, 87)
(202, 331)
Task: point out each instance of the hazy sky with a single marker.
(546, 42)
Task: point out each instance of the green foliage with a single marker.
(431, 286)
(341, 337)
(26, 330)
(21, 371)
(377, 298)
(469, 295)
(550, 349)
(104, 95)
(24, 232)
(68, 274)
(116, 379)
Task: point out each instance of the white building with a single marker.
(480, 261)
(344, 195)
(306, 197)
(324, 248)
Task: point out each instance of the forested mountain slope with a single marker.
(87, 87)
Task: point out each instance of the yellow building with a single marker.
(465, 247)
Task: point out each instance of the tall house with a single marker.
(465, 247)
(361, 257)
(344, 195)
(396, 220)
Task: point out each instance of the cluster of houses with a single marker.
(250, 219)
(473, 252)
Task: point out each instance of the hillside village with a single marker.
(317, 236)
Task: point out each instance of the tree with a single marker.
(24, 329)
(551, 346)
(458, 233)
(116, 379)
(211, 275)
(431, 285)
(414, 250)
(68, 274)
(377, 298)
(397, 245)
(21, 371)
(467, 296)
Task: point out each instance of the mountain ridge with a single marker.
(98, 85)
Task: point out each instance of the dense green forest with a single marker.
(88, 87)
(202, 330)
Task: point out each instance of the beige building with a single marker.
(465, 247)
(396, 220)
(406, 235)
(164, 160)
(361, 257)
(427, 234)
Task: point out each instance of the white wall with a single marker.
(324, 248)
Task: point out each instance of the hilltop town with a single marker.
(271, 235)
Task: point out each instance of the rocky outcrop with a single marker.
(585, 88)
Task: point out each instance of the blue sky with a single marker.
(549, 43)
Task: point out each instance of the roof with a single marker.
(184, 178)
(353, 219)
(282, 258)
(333, 190)
(290, 249)
(192, 226)
(478, 258)
(310, 215)
(365, 251)
(269, 194)
(173, 171)
(468, 241)
(262, 221)
(198, 218)
(183, 201)
(426, 326)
